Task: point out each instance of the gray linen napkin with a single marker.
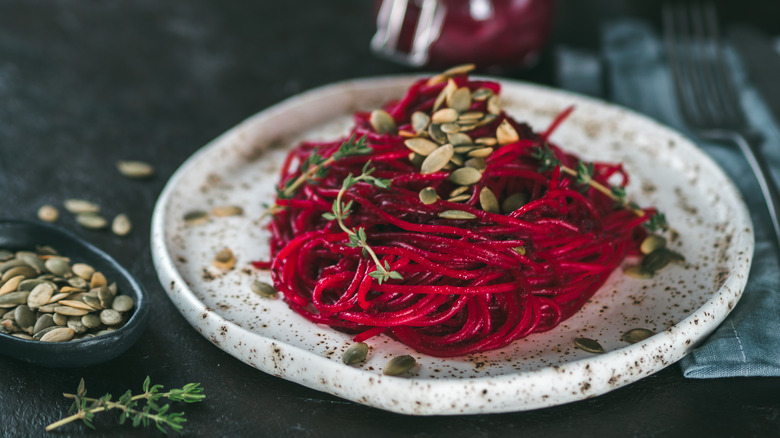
(637, 76)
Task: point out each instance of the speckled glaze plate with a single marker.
(682, 304)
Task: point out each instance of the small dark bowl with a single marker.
(19, 235)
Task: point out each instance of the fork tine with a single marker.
(680, 71)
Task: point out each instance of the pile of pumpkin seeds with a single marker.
(47, 298)
(441, 141)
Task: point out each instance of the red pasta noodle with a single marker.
(469, 285)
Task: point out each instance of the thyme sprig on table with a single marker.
(583, 175)
(357, 236)
(84, 408)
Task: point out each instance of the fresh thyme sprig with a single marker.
(583, 175)
(316, 167)
(84, 408)
(357, 236)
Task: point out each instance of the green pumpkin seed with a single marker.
(480, 153)
(481, 94)
(382, 122)
(416, 159)
(196, 217)
(106, 297)
(135, 169)
(487, 141)
(227, 210)
(445, 115)
(588, 345)
(45, 320)
(459, 198)
(459, 70)
(464, 149)
(122, 303)
(58, 266)
(24, 317)
(659, 258)
(446, 91)
(459, 139)
(59, 319)
(420, 121)
(10, 264)
(636, 271)
(636, 335)
(457, 160)
(460, 100)
(91, 320)
(110, 317)
(40, 295)
(38, 334)
(48, 213)
(494, 105)
(437, 159)
(421, 146)
(76, 305)
(450, 128)
(93, 302)
(20, 271)
(399, 365)
(428, 196)
(263, 289)
(29, 284)
(78, 282)
(13, 299)
(488, 200)
(465, 176)
(355, 354)
(456, 214)
(92, 221)
(437, 134)
(11, 285)
(61, 334)
(79, 206)
(513, 202)
(69, 311)
(5, 254)
(121, 225)
(32, 259)
(478, 163)
(74, 322)
(471, 116)
(459, 191)
(83, 270)
(652, 243)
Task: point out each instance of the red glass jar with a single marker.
(442, 33)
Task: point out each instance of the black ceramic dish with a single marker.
(18, 235)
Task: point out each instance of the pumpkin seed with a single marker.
(78, 282)
(488, 200)
(428, 196)
(62, 334)
(437, 159)
(459, 139)
(421, 146)
(263, 289)
(450, 128)
(459, 70)
(519, 249)
(79, 206)
(37, 335)
(91, 320)
(105, 296)
(40, 295)
(122, 303)
(494, 105)
(227, 210)
(48, 213)
(74, 322)
(481, 94)
(355, 354)
(121, 225)
(446, 115)
(437, 134)
(224, 259)
(110, 317)
(505, 133)
(636, 335)
(10, 264)
(382, 122)
(92, 221)
(135, 169)
(482, 152)
(460, 100)
(83, 270)
(399, 365)
(196, 217)
(487, 141)
(5, 254)
(459, 198)
(416, 159)
(48, 308)
(69, 311)
(588, 345)
(80, 305)
(94, 302)
(652, 243)
(446, 91)
(45, 320)
(97, 280)
(456, 214)
(478, 163)
(29, 284)
(457, 160)
(56, 298)
(437, 79)
(11, 285)
(420, 121)
(458, 191)
(659, 258)
(513, 202)
(20, 271)
(471, 116)
(59, 319)
(24, 317)
(32, 259)
(465, 176)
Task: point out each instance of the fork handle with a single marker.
(763, 176)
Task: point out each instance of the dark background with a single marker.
(86, 83)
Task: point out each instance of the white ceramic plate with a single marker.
(683, 304)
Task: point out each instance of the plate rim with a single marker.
(653, 352)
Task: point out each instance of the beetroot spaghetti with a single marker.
(444, 223)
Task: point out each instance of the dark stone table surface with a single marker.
(85, 83)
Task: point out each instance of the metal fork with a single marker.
(706, 94)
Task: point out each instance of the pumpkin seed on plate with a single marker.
(421, 146)
(465, 176)
(122, 303)
(488, 200)
(589, 345)
(494, 104)
(637, 335)
(459, 139)
(481, 152)
(434, 130)
(652, 243)
(445, 115)
(399, 365)
(224, 259)
(506, 133)
(459, 70)
(428, 196)
(263, 289)
(110, 317)
(420, 121)
(456, 214)
(513, 202)
(481, 93)
(460, 100)
(437, 159)
(196, 217)
(636, 271)
(382, 122)
(97, 280)
(83, 270)
(355, 354)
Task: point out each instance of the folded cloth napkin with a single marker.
(637, 76)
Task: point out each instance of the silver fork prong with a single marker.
(677, 55)
(389, 23)
(727, 90)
